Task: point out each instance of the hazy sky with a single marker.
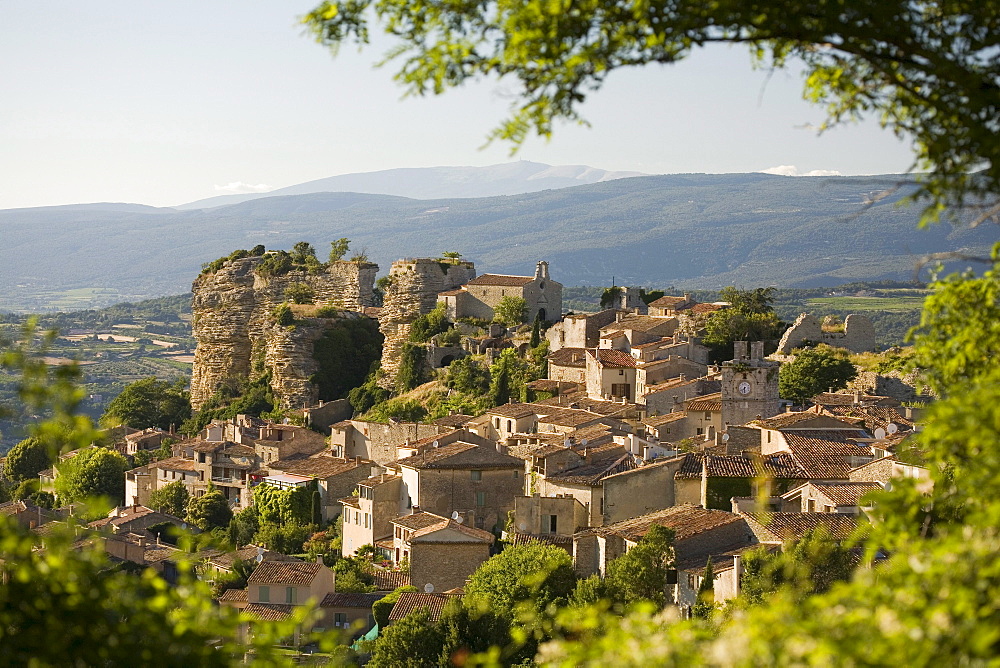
(165, 103)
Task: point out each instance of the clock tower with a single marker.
(749, 385)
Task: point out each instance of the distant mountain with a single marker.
(511, 178)
(689, 230)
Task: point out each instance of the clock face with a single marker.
(744, 387)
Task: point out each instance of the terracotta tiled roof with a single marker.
(615, 359)
(451, 293)
(690, 468)
(388, 580)
(175, 464)
(567, 417)
(640, 323)
(593, 474)
(787, 420)
(873, 417)
(412, 601)
(686, 520)
(778, 465)
(846, 493)
(709, 402)
(850, 399)
(669, 301)
(210, 446)
(667, 418)
(546, 385)
(284, 572)
(419, 520)
(316, 467)
(822, 456)
(706, 308)
(501, 279)
(380, 479)
(549, 538)
(456, 420)
(225, 560)
(350, 600)
(792, 526)
(234, 596)
(571, 357)
(512, 410)
(461, 456)
(269, 612)
(478, 535)
(235, 450)
(132, 513)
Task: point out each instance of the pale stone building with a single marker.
(478, 297)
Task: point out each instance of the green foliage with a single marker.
(412, 367)
(467, 376)
(244, 526)
(93, 472)
(352, 575)
(283, 506)
(609, 296)
(286, 538)
(749, 318)
(283, 315)
(216, 265)
(172, 499)
(338, 249)
(813, 371)
(510, 311)
(641, 573)
(209, 511)
(535, 574)
(302, 251)
(536, 331)
(255, 398)
(382, 607)
(406, 410)
(412, 641)
(143, 457)
(428, 325)
(150, 403)
(706, 593)
(344, 355)
(26, 459)
(316, 513)
(275, 263)
(300, 293)
(368, 394)
(508, 377)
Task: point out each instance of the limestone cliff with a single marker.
(413, 290)
(232, 324)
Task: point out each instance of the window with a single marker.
(699, 431)
(476, 475)
(549, 523)
(692, 581)
(496, 422)
(340, 619)
(366, 520)
(290, 595)
(510, 426)
(480, 499)
(708, 415)
(672, 577)
(264, 594)
(811, 506)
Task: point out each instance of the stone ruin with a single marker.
(858, 335)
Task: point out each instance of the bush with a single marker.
(300, 293)
(283, 315)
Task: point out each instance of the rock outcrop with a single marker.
(412, 291)
(235, 333)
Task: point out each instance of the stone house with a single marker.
(463, 477)
(581, 330)
(549, 515)
(712, 481)
(727, 569)
(610, 374)
(377, 441)
(368, 516)
(504, 421)
(136, 520)
(668, 396)
(335, 477)
(698, 533)
(568, 364)
(478, 297)
(585, 483)
(441, 552)
(147, 439)
(349, 611)
(630, 330)
(827, 497)
(779, 529)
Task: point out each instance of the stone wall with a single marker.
(232, 308)
(413, 291)
(858, 335)
(899, 386)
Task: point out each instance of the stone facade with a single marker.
(232, 308)
(413, 291)
(858, 335)
(749, 385)
(579, 330)
(480, 296)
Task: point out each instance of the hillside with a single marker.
(693, 230)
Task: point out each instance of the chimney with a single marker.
(857, 397)
(319, 560)
(687, 296)
(756, 350)
(739, 350)
(416, 509)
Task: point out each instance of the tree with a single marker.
(610, 296)
(706, 593)
(468, 376)
(641, 573)
(209, 510)
(412, 367)
(928, 70)
(510, 311)
(302, 251)
(283, 315)
(413, 641)
(317, 508)
(507, 378)
(93, 472)
(750, 317)
(537, 574)
(813, 371)
(26, 459)
(171, 499)
(150, 403)
(300, 293)
(536, 331)
(338, 249)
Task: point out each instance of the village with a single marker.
(633, 426)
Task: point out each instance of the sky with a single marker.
(167, 103)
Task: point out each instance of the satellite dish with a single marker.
(892, 428)
(435, 444)
(428, 588)
(583, 441)
(725, 437)
(454, 514)
(567, 443)
(522, 526)
(879, 434)
(460, 519)
(260, 554)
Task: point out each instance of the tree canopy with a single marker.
(26, 459)
(927, 69)
(150, 403)
(209, 511)
(536, 573)
(749, 317)
(172, 499)
(93, 472)
(815, 370)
